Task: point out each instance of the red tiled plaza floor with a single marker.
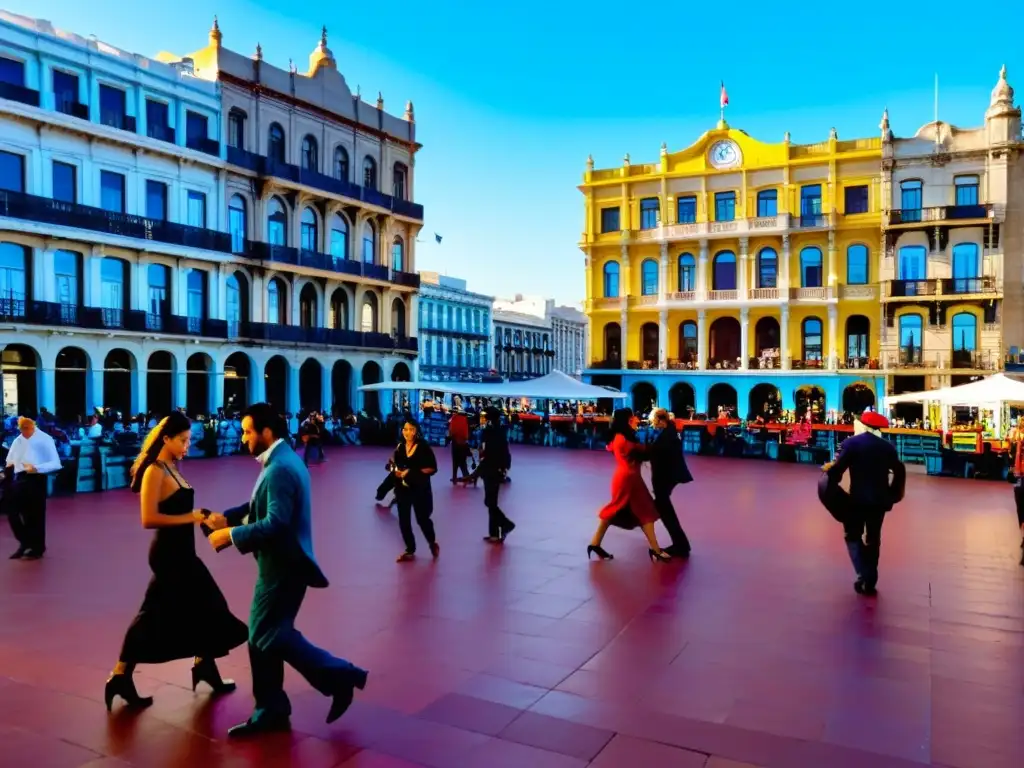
(757, 652)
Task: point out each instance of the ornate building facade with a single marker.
(455, 330)
(522, 338)
(569, 338)
(197, 231)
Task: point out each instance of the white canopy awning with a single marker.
(554, 386)
(997, 389)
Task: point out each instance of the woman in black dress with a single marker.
(183, 613)
(495, 461)
(414, 464)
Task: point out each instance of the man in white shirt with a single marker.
(32, 456)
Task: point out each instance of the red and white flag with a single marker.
(723, 98)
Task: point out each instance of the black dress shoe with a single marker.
(343, 697)
(33, 554)
(19, 553)
(259, 727)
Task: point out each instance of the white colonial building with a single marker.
(454, 330)
(172, 234)
(569, 330)
(522, 337)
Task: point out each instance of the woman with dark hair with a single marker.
(631, 503)
(183, 613)
(414, 463)
(495, 460)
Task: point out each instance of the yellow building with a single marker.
(737, 274)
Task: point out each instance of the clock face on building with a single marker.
(725, 154)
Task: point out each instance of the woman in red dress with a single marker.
(631, 503)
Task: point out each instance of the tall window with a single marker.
(911, 338)
(157, 279)
(277, 222)
(965, 332)
(810, 200)
(688, 341)
(911, 198)
(112, 106)
(858, 332)
(649, 278)
(68, 278)
(156, 200)
(767, 268)
(233, 303)
(113, 286)
(913, 262)
(341, 163)
(276, 149)
(856, 199)
(197, 130)
(310, 157)
(966, 190)
(275, 303)
(308, 230)
(650, 213)
(196, 209)
(65, 182)
(369, 243)
(339, 237)
(611, 280)
(236, 128)
(686, 209)
(610, 219)
(810, 267)
(112, 191)
(237, 223)
(725, 206)
(966, 268)
(158, 120)
(857, 265)
(768, 202)
(687, 272)
(398, 255)
(723, 272)
(369, 172)
(12, 278)
(12, 172)
(399, 181)
(812, 339)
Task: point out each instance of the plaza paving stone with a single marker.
(756, 653)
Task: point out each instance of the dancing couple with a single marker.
(184, 614)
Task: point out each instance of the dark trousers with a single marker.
(274, 641)
(669, 518)
(497, 523)
(862, 530)
(1018, 499)
(26, 511)
(313, 445)
(421, 503)
(460, 454)
(386, 487)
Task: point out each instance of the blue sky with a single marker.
(510, 99)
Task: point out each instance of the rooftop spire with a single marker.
(215, 35)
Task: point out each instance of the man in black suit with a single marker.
(668, 469)
(877, 482)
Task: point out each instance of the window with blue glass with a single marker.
(966, 268)
(196, 287)
(339, 237)
(649, 277)
(113, 107)
(768, 202)
(725, 206)
(911, 331)
(856, 199)
(687, 341)
(13, 282)
(12, 71)
(911, 199)
(158, 120)
(687, 272)
(197, 127)
(610, 219)
(158, 283)
(611, 280)
(912, 263)
(112, 191)
(277, 222)
(723, 272)
(858, 331)
(67, 272)
(686, 210)
(811, 267)
(308, 230)
(650, 213)
(65, 182)
(767, 268)
(156, 200)
(965, 332)
(12, 172)
(812, 339)
(65, 90)
(196, 209)
(113, 286)
(857, 265)
(237, 223)
(966, 190)
(369, 243)
(810, 200)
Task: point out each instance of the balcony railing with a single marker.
(161, 133)
(19, 93)
(959, 286)
(810, 220)
(117, 120)
(204, 145)
(940, 213)
(72, 108)
(464, 333)
(408, 279)
(975, 360)
(911, 288)
(816, 293)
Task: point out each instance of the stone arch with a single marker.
(372, 374)
(239, 369)
(199, 370)
(722, 395)
(645, 398)
(277, 372)
(23, 364)
(857, 397)
(72, 384)
(340, 309)
(369, 312)
(765, 401)
(120, 371)
(809, 396)
(310, 300)
(311, 379)
(398, 317)
(682, 399)
(341, 387)
(161, 370)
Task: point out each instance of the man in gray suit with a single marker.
(275, 526)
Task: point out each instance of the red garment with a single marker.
(458, 428)
(628, 486)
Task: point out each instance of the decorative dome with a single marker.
(1002, 94)
(322, 56)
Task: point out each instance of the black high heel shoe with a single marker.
(600, 552)
(206, 672)
(659, 557)
(122, 685)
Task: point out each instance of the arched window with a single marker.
(369, 172)
(611, 280)
(235, 303)
(911, 339)
(810, 267)
(649, 278)
(237, 223)
(339, 237)
(966, 268)
(341, 163)
(368, 315)
(612, 343)
(812, 341)
(276, 149)
(310, 156)
(308, 306)
(965, 336)
(398, 255)
(276, 304)
(369, 242)
(723, 272)
(687, 273)
(399, 181)
(912, 265)
(858, 346)
(277, 222)
(310, 238)
(768, 267)
(688, 341)
(858, 271)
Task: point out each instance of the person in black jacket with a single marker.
(495, 461)
(877, 482)
(414, 463)
(668, 469)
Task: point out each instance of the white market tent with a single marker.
(993, 392)
(554, 386)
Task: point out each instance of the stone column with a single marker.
(784, 269)
(744, 339)
(743, 283)
(663, 274)
(292, 395)
(624, 336)
(327, 387)
(663, 339)
(702, 340)
(46, 381)
(94, 385)
(829, 268)
(702, 272)
(784, 338)
(833, 357)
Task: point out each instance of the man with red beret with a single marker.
(877, 482)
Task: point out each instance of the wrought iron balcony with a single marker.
(910, 288)
(19, 93)
(67, 106)
(941, 213)
(118, 120)
(409, 279)
(161, 133)
(959, 286)
(204, 145)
